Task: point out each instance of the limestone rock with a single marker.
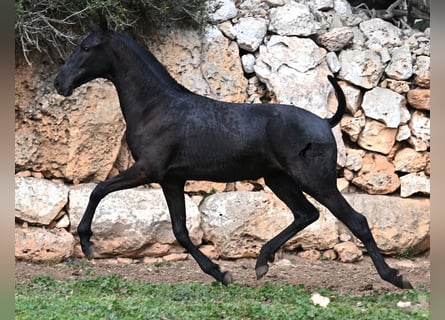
(203, 187)
(354, 159)
(220, 53)
(419, 99)
(363, 68)
(422, 71)
(297, 53)
(398, 86)
(385, 105)
(210, 251)
(401, 64)
(353, 96)
(252, 8)
(414, 183)
(63, 222)
(341, 149)
(248, 61)
(180, 53)
(381, 34)
(39, 201)
(323, 4)
(293, 19)
(384, 55)
(329, 255)
(227, 29)
(335, 39)
(221, 10)
(420, 125)
(38, 244)
(312, 254)
(289, 66)
(342, 7)
(333, 62)
(128, 222)
(409, 160)
(352, 125)
(176, 257)
(377, 175)
(76, 138)
(275, 3)
(376, 136)
(239, 223)
(403, 133)
(344, 237)
(348, 252)
(397, 224)
(250, 32)
(207, 63)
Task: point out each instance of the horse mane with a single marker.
(149, 61)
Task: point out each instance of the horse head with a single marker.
(90, 60)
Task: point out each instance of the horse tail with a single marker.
(341, 103)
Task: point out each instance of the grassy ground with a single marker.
(112, 297)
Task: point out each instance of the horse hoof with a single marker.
(261, 271)
(89, 252)
(227, 278)
(406, 284)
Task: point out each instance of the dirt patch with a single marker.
(356, 278)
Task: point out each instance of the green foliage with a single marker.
(208, 194)
(407, 254)
(112, 297)
(53, 26)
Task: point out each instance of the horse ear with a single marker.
(103, 24)
(101, 27)
(93, 26)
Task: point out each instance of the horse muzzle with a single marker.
(64, 91)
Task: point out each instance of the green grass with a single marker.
(112, 297)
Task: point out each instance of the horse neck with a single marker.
(140, 79)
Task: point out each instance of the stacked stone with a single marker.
(256, 51)
(291, 46)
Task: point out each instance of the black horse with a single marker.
(175, 135)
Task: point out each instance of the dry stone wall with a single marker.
(276, 51)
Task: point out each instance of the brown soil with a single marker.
(355, 278)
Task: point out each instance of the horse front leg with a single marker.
(132, 177)
(174, 195)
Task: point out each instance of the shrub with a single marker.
(54, 26)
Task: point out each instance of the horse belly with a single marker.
(216, 163)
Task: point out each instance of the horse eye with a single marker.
(86, 49)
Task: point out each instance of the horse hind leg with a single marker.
(358, 224)
(304, 213)
(317, 176)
